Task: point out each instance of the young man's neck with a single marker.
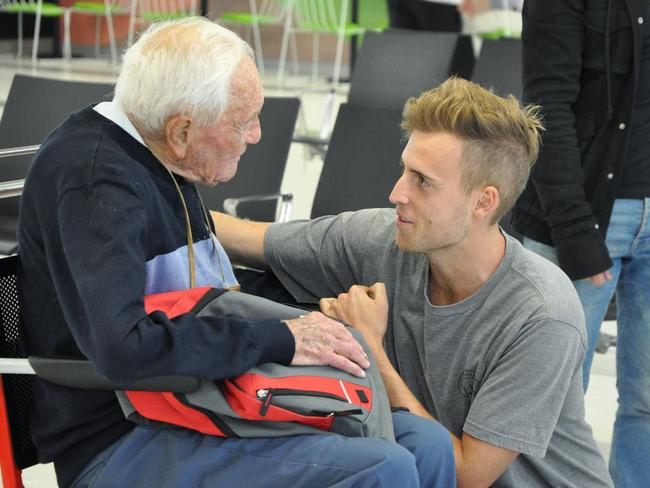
(459, 272)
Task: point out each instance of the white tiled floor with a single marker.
(301, 178)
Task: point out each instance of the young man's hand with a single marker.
(366, 309)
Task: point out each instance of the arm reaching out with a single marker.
(243, 240)
(478, 463)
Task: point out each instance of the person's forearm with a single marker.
(473, 469)
(399, 395)
(243, 240)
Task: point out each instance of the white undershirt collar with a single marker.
(114, 113)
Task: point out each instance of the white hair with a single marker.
(179, 67)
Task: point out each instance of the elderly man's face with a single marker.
(214, 150)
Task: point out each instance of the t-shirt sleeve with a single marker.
(326, 256)
(99, 274)
(518, 403)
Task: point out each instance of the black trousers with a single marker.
(421, 15)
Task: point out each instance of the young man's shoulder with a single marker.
(547, 287)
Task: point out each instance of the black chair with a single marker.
(397, 64)
(499, 66)
(14, 164)
(35, 106)
(261, 168)
(17, 451)
(362, 162)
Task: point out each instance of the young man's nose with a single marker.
(398, 195)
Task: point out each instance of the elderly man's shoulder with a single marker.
(84, 147)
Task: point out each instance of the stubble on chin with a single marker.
(402, 243)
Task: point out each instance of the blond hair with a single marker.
(500, 137)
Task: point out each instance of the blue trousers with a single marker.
(174, 458)
(628, 242)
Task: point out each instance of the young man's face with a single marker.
(433, 211)
(214, 150)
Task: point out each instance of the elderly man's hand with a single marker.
(321, 340)
(364, 308)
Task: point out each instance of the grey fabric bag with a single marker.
(269, 400)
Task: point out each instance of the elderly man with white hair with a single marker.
(110, 214)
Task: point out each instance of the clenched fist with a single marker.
(365, 309)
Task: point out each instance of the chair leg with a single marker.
(19, 53)
(257, 38)
(98, 31)
(343, 18)
(294, 54)
(328, 109)
(314, 56)
(132, 15)
(285, 42)
(37, 31)
(67, 46)
(111, 31)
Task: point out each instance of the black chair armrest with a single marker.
(76, 373)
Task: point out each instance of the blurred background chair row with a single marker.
(139, 13)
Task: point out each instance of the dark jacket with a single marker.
(581, 61)
(101, 225)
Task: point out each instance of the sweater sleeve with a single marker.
(99, 274)
(553, 41)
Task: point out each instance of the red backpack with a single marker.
(269, 400)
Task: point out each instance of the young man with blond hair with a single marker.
(468, 327)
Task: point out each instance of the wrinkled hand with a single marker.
(323, 341)
(364, 308)
(600, 279)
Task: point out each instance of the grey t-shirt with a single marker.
(504, 365)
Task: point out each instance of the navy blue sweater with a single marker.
(101, 225)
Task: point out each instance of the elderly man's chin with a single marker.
(222, 176)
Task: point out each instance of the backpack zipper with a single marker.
(267, 394)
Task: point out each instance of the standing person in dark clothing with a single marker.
(587, 205)
(424, 15)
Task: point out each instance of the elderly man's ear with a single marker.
(177, 134)
(487, 202)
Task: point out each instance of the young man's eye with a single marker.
(422, 181)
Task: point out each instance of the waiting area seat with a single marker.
(499, 66)
(35, 106)
(254, 192)
(362, 161)
(17, 451)
(397, 64)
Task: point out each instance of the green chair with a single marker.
(318, 17)
(39, 9)
(151, 11)
(106, 9)
(269, 12)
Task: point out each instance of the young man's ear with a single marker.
(177, 134)
(487, 202)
